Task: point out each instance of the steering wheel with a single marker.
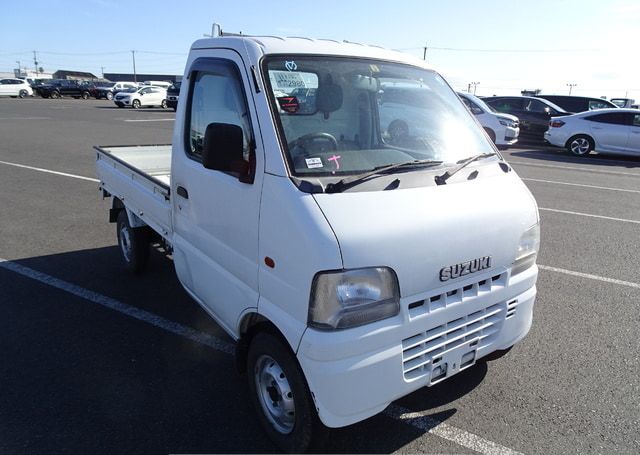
(305, 140)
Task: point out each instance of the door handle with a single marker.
(182, 192)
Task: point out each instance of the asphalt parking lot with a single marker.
(95, 360)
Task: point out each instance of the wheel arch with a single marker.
(251, 323)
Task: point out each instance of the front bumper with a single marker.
(354, 374)
(122, 102)
(510, 136)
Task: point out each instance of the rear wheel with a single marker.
(580, 145)
(54, 95)
(133, 243)
(109, 96)
(163, 104)
(136, 104)
(85, 95)
(23, 93)
(281, 395)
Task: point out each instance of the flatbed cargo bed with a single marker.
(140, 177)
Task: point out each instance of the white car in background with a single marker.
(143, 96)
(604, 131)
(503, 129)
(15, 87)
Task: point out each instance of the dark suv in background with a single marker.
(534, 113)
(575, 104)
(63, 87)
(172, 95)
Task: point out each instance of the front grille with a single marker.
(453, 296)
(172, 98)
(421, 351)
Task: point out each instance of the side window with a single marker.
(506, 104)
(475, 110)
(636, 120)
(536, 106)
(593, 104)
(217, 96)
(610, 118)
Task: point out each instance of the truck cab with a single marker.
(360, 238)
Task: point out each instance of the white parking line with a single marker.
(574, 168)
(149, 120)
(49, 171)
(415, 419)
(424, 422)
(25, 118)
(582, 185)
(568, 212)
(589, 276)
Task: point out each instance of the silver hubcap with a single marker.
(125, 243)
(580, 146)
(274, 394)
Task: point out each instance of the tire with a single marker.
(580, 145)
(491, 134)
(280, 394)
(54, 95)
(163, 105)
(133, 243)
(85, 95)
(109, 96)
(23, 94)
(136, 104)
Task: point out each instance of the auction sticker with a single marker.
(313, 162)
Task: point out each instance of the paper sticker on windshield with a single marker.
(285, 81)
(289, 104)
(374, 68)
(313, 162)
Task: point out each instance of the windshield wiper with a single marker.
(442, 179)
(346, 182)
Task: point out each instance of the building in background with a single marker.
(118, 77)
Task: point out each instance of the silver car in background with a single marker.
(615, 131)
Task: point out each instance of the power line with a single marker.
(521, 51)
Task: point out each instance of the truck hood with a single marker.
(419, 231)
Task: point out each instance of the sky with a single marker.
(503, 46)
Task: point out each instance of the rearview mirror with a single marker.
(223, 150)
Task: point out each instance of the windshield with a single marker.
(130, 90)
(347, 115)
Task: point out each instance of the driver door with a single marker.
(216, 217)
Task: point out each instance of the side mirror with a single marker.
(547, 110)
(223, 148)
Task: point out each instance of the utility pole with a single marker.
(475, 84)
(35, 62)
(102, 69)
(571, 87)
(19, 70)
(424, 54)
(135, 76)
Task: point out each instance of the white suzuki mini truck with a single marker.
(354, 256)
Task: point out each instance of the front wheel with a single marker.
(85, 95)
(136, 104)
(109, 96)
(133, 243)
(580, 145)
(163, 105)
(280, 394)
(23, 94)
(54, 95)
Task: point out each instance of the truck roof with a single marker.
(266, 45)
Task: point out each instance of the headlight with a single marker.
(350, 298)
(507, 122)
(527, 250)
